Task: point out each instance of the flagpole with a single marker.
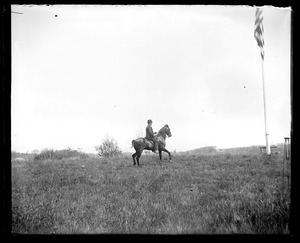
(268, 149)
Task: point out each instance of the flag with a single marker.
(259, 30)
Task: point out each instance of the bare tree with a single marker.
(139, 133)
(108, 148)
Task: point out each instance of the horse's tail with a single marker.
(132, 143)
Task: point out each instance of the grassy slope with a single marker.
(194, 194)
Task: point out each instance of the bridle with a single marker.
(169, 134)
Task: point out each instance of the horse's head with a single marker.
(168, 130)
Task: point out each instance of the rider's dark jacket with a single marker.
(149, 132)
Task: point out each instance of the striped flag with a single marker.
(259, 30)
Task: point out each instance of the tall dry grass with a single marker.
(217, 194)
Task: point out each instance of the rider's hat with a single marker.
(149, 121)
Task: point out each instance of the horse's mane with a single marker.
(163, 128)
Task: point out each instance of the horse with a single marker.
(141, 144)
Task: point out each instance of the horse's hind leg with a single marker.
(133, 157)
(139, 153)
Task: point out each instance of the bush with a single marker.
(108, 148)
(59, 154)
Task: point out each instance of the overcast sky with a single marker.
(80, 73)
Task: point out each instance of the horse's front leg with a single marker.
(160, 152)
(165, 150)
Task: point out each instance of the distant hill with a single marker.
(202, 150)
(209, 150)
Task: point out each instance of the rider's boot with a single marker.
(155, 148)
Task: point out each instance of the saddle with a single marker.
(149, 142)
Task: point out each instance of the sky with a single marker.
(81, 73)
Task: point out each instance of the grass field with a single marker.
(204, 194)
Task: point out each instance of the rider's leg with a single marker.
(155, 145)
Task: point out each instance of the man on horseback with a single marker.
(141, 144)
(151, 136)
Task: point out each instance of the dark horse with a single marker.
(141, 144)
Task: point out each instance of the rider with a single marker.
(151, 135)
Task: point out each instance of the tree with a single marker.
(108, 148)
(139, 133)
